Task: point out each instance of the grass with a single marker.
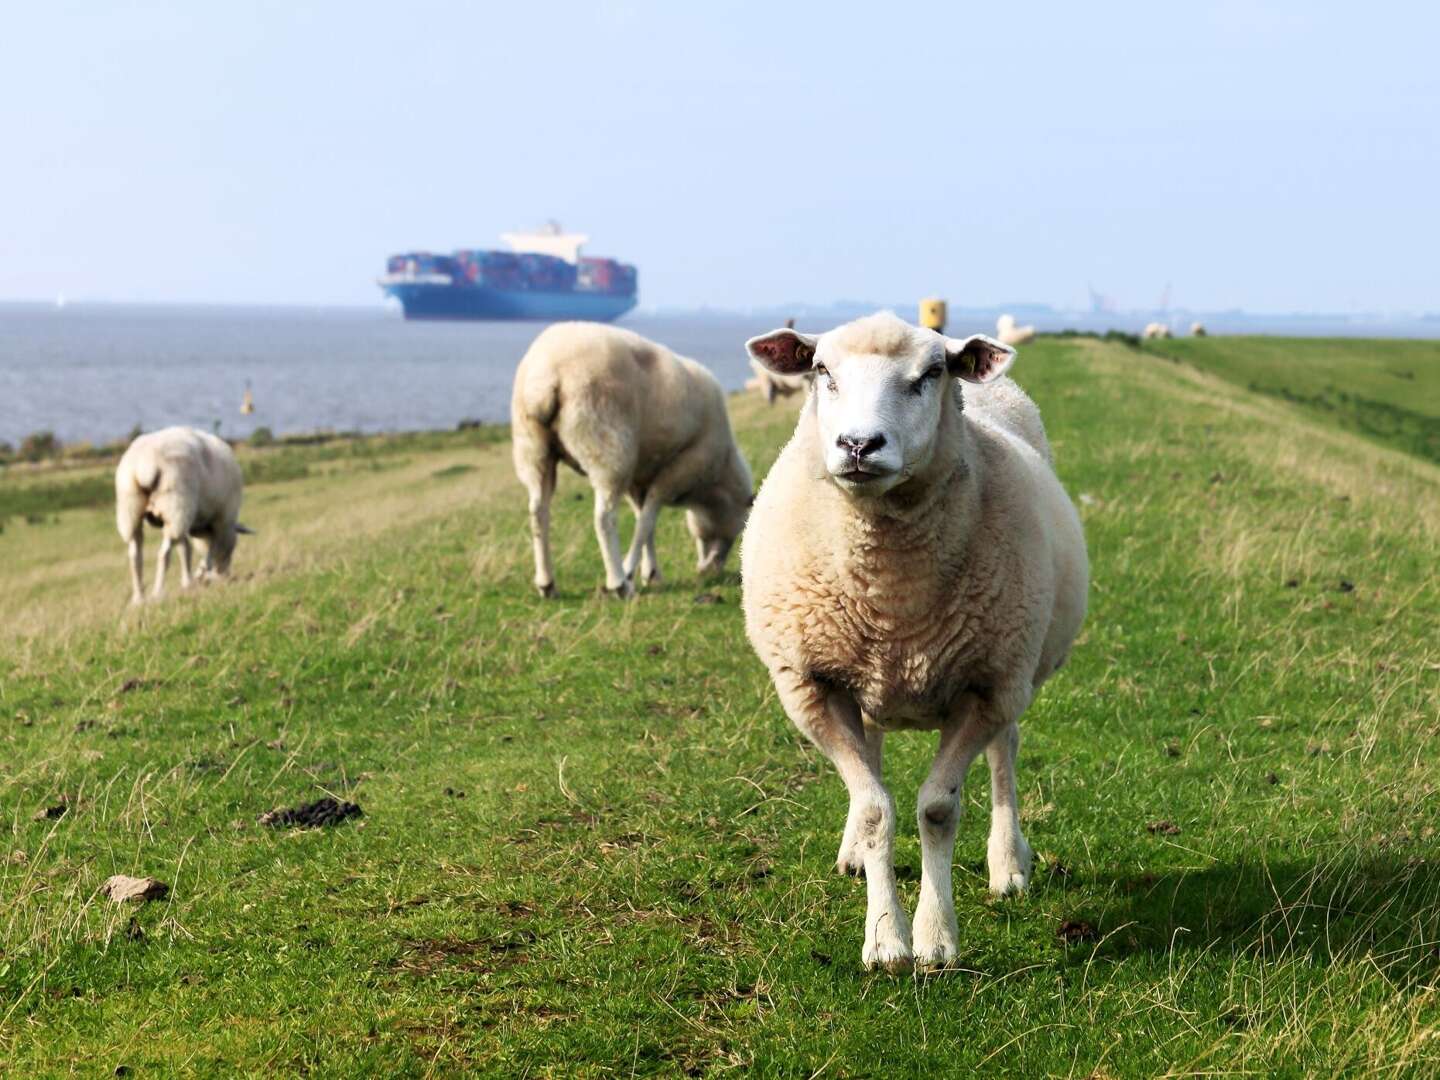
(1388, 391)
(593, 846)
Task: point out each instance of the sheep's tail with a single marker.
(135, 482)
(532, 434)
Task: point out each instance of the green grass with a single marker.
(593, 846)
(1386, 390)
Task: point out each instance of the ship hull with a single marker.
(422, 300)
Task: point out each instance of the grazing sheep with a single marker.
(641, 423)
(1197, 329)
(188, 484)
(912, 562)
(1155, 330)
(771, 386)
(1010, 334)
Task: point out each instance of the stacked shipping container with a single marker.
(508, 271)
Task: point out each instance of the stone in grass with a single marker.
(122, 889)
(326, 811)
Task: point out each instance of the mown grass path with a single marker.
(592, 845)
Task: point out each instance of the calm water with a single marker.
(95, 371)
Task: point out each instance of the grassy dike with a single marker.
(593, 846)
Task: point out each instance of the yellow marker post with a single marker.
(932, 314)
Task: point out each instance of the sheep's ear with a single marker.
(978, 358)
(785, 352)
(244, 530)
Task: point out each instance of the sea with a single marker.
(92, 372)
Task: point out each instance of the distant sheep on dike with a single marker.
(1155, 330)
(770, 386)
(188, 484)
(1010, 334)
(641, 423)
(912, 562)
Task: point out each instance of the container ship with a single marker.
(541, 276)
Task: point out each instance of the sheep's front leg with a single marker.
(607, 531)
(642, 545)
(851, 859)
(1008, 856)
(137, 568)
(187, 578)
(938, 813)
(831, 720)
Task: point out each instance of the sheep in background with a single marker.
(187, 483)
(770, 386)
(1197, 329)
(912, 562)
(1010, 334)
(641, 423)
(1155, 330)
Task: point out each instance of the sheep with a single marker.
(1010, 334)
(188, 484)
(1197, 329)
(641, 423)
(771, 386)
(912, 562)
(1155, 330)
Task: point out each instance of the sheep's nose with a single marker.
(859, 446)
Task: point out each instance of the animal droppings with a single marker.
(1074, 931)
(1346, 586)
(709, 598)
(122, 889)
(1163, 828)
(321, 812)
(50, 813)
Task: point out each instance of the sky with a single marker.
(1268, 156)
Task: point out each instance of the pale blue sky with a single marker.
(1275, 156)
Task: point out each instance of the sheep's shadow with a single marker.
(1381, 907)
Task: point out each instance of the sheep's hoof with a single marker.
(1010, 870)
(547, 591)
(849, 863)
(894, 959)
(623, 592)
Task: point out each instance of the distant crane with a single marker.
(1164, 305)
(1100, 304)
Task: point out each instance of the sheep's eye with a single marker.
(822, 372)
(919, 385)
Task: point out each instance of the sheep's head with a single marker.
(881, 390)
(222, 548)
(717, 518)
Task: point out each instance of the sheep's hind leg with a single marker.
(831, 720)
(1008, 854)
(538, 476)
(137, 567)
(938, 811)
(607, 531)
(162, 565)
(851, 859)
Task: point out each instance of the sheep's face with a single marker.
(881, 387)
